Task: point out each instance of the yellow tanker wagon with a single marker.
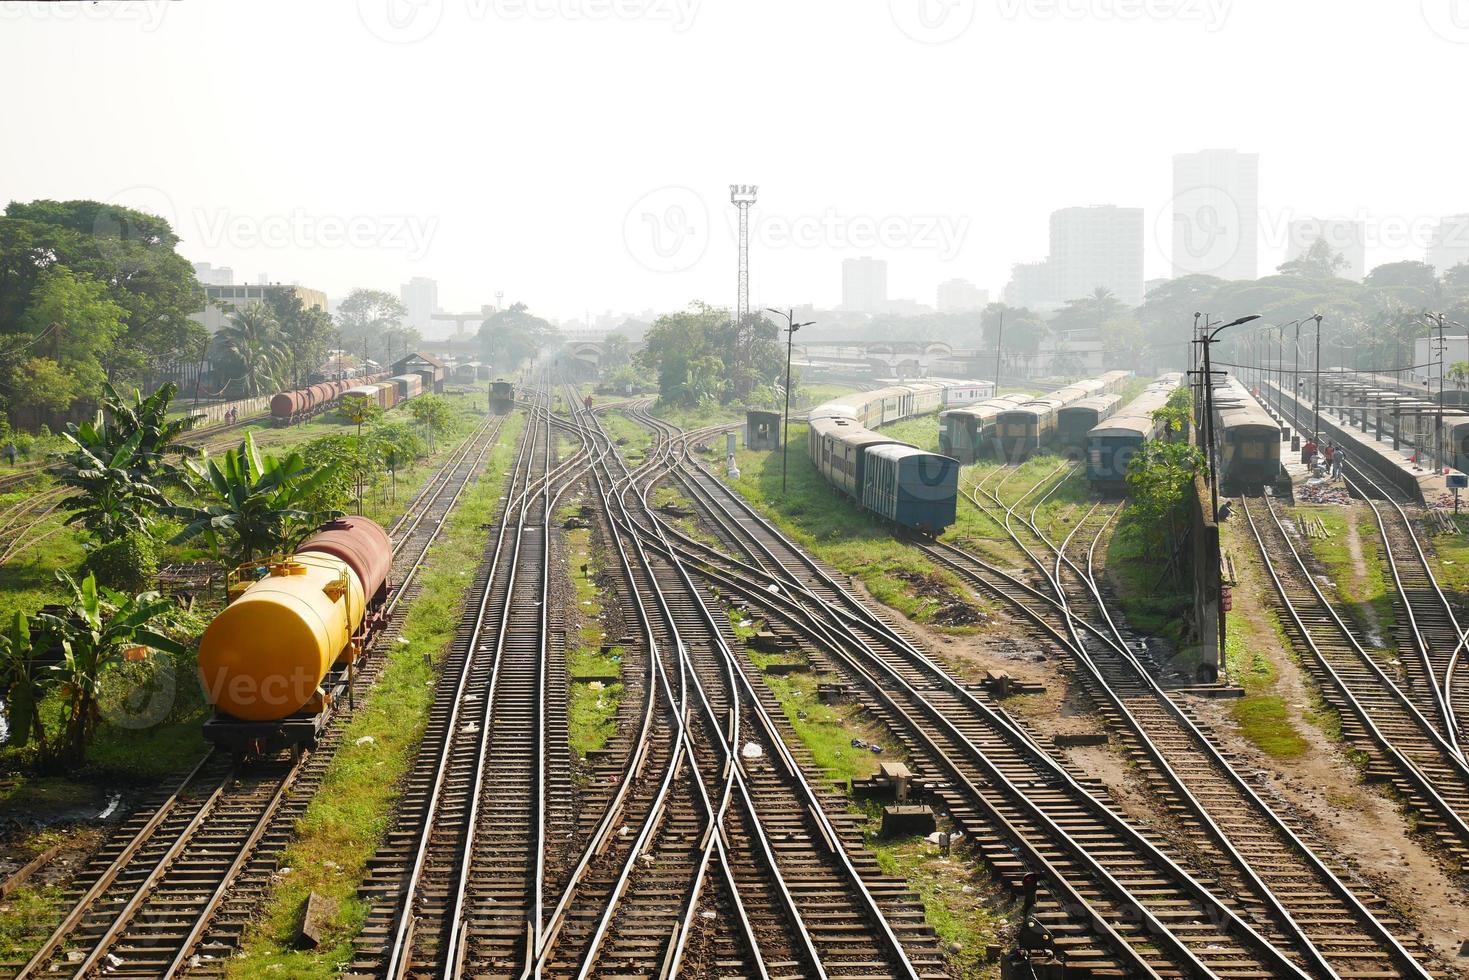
(283, 650)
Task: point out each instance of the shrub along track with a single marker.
(173, 887)
(1111, 896)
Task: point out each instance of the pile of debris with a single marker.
(1322, 492)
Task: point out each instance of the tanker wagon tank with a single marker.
(285, 649)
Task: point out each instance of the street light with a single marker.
(1208, 340)
(791, 328)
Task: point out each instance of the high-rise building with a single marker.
(961, 295)
(1030, 284)
(1216, 214)
(1097, 247)
(421, 296)
(1449, 244)
(865, 285)
(1347, 239)
(212, 275)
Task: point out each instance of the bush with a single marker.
(129, 564)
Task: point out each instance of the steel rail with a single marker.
(1410, 769)
(1004, 723)
(399, 959)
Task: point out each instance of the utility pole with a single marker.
(999, 348)
(1438, 320)
(1316, 398)
(791, 328)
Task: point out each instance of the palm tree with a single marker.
(253, 338)
(1458, 373)
(261, 505)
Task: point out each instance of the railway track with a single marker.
(1113, 897)
(840, 916)
(1334, 921)
(1378, 717)
(458, 879)
(1427, 622)
(173, 888)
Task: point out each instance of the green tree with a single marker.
(1318, 261)
(93, 630)
(1158, 479)
(1087, 313)
(131, 253)
(513, 335)
(370, 321)
(306, 333)
(1177, 413)
(257, 503)
(433, 414)
(251, 344)
(1458, 373)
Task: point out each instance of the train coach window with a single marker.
(1252, 449)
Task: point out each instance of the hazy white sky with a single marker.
(576, 154)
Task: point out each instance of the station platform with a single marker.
(1422, 484)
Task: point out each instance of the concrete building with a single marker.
(1425, 353)
(421, 296)
(961, 295)
(224, 300)
(865, 285)
(211, 275)
(1448, 246)
(1345, 238)
(1097, 247)
(1030, 285)
(1216, 214)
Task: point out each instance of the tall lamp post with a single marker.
(1208, 339)
(785, 425)
(1316, 395)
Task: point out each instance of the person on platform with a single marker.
(1308, 451)
(1338, 462)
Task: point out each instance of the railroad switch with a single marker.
(900, 820)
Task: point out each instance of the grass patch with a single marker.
(1263, 719)
(592, 711)
(1365, 590)
(346, 820)
(957, 903)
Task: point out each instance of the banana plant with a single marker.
(93, 631)
(259, 504)
(116, 495)
(25, 680)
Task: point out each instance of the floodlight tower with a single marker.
(742, 196)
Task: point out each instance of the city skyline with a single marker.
(481, 220)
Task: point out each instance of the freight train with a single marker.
(298, 404)
(283, 651)
(897, 481)
(1110, 445)
(1026, 428)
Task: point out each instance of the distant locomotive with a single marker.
(1246, 438)
(279, 655)
(502, 396)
